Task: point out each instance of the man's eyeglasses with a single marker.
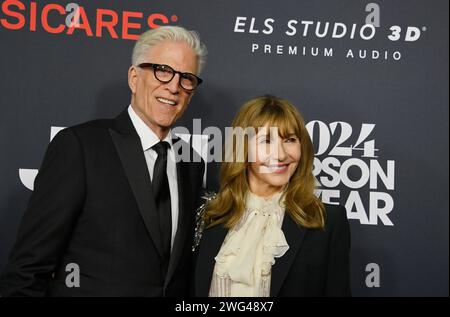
(165, 74)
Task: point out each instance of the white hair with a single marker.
(152, 37)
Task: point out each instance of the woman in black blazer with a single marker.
(265, 233)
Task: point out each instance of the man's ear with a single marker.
(132, 78)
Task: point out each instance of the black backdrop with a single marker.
(380, 125)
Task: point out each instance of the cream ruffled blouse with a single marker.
(244, 262)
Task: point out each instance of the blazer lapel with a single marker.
(186, 208)
(294, 235)
(129, 148)
(184, 213)
(210, 244)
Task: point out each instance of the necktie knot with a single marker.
(161, 148)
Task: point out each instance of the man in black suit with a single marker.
(112, 198)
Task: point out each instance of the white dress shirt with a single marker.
(149, 139)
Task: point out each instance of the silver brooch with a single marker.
(199, 219)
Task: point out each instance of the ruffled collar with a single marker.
(268, 205)
(251, 247)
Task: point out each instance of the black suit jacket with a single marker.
(93, 206)
(316, 264)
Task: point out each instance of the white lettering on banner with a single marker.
(335, 166)
(27, 176)
(327, 29)
(362, 54)
(294, 29)
(292, 50)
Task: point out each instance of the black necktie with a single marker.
(161, 191)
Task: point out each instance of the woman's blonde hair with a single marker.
(301, 203)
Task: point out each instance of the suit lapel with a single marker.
(294, 236)
(186, 201)
(129, 148)
(184, 213)
(211, 242)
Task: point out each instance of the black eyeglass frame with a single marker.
(174, 72)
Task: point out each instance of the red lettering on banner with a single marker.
(17, 14)
(33, 16)
(83, 25)
(156, 17)
(21, 19)
(44, 18)
(129, 25)
(109, 25)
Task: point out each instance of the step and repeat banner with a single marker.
(370, 78)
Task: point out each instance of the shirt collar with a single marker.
(147, 136)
